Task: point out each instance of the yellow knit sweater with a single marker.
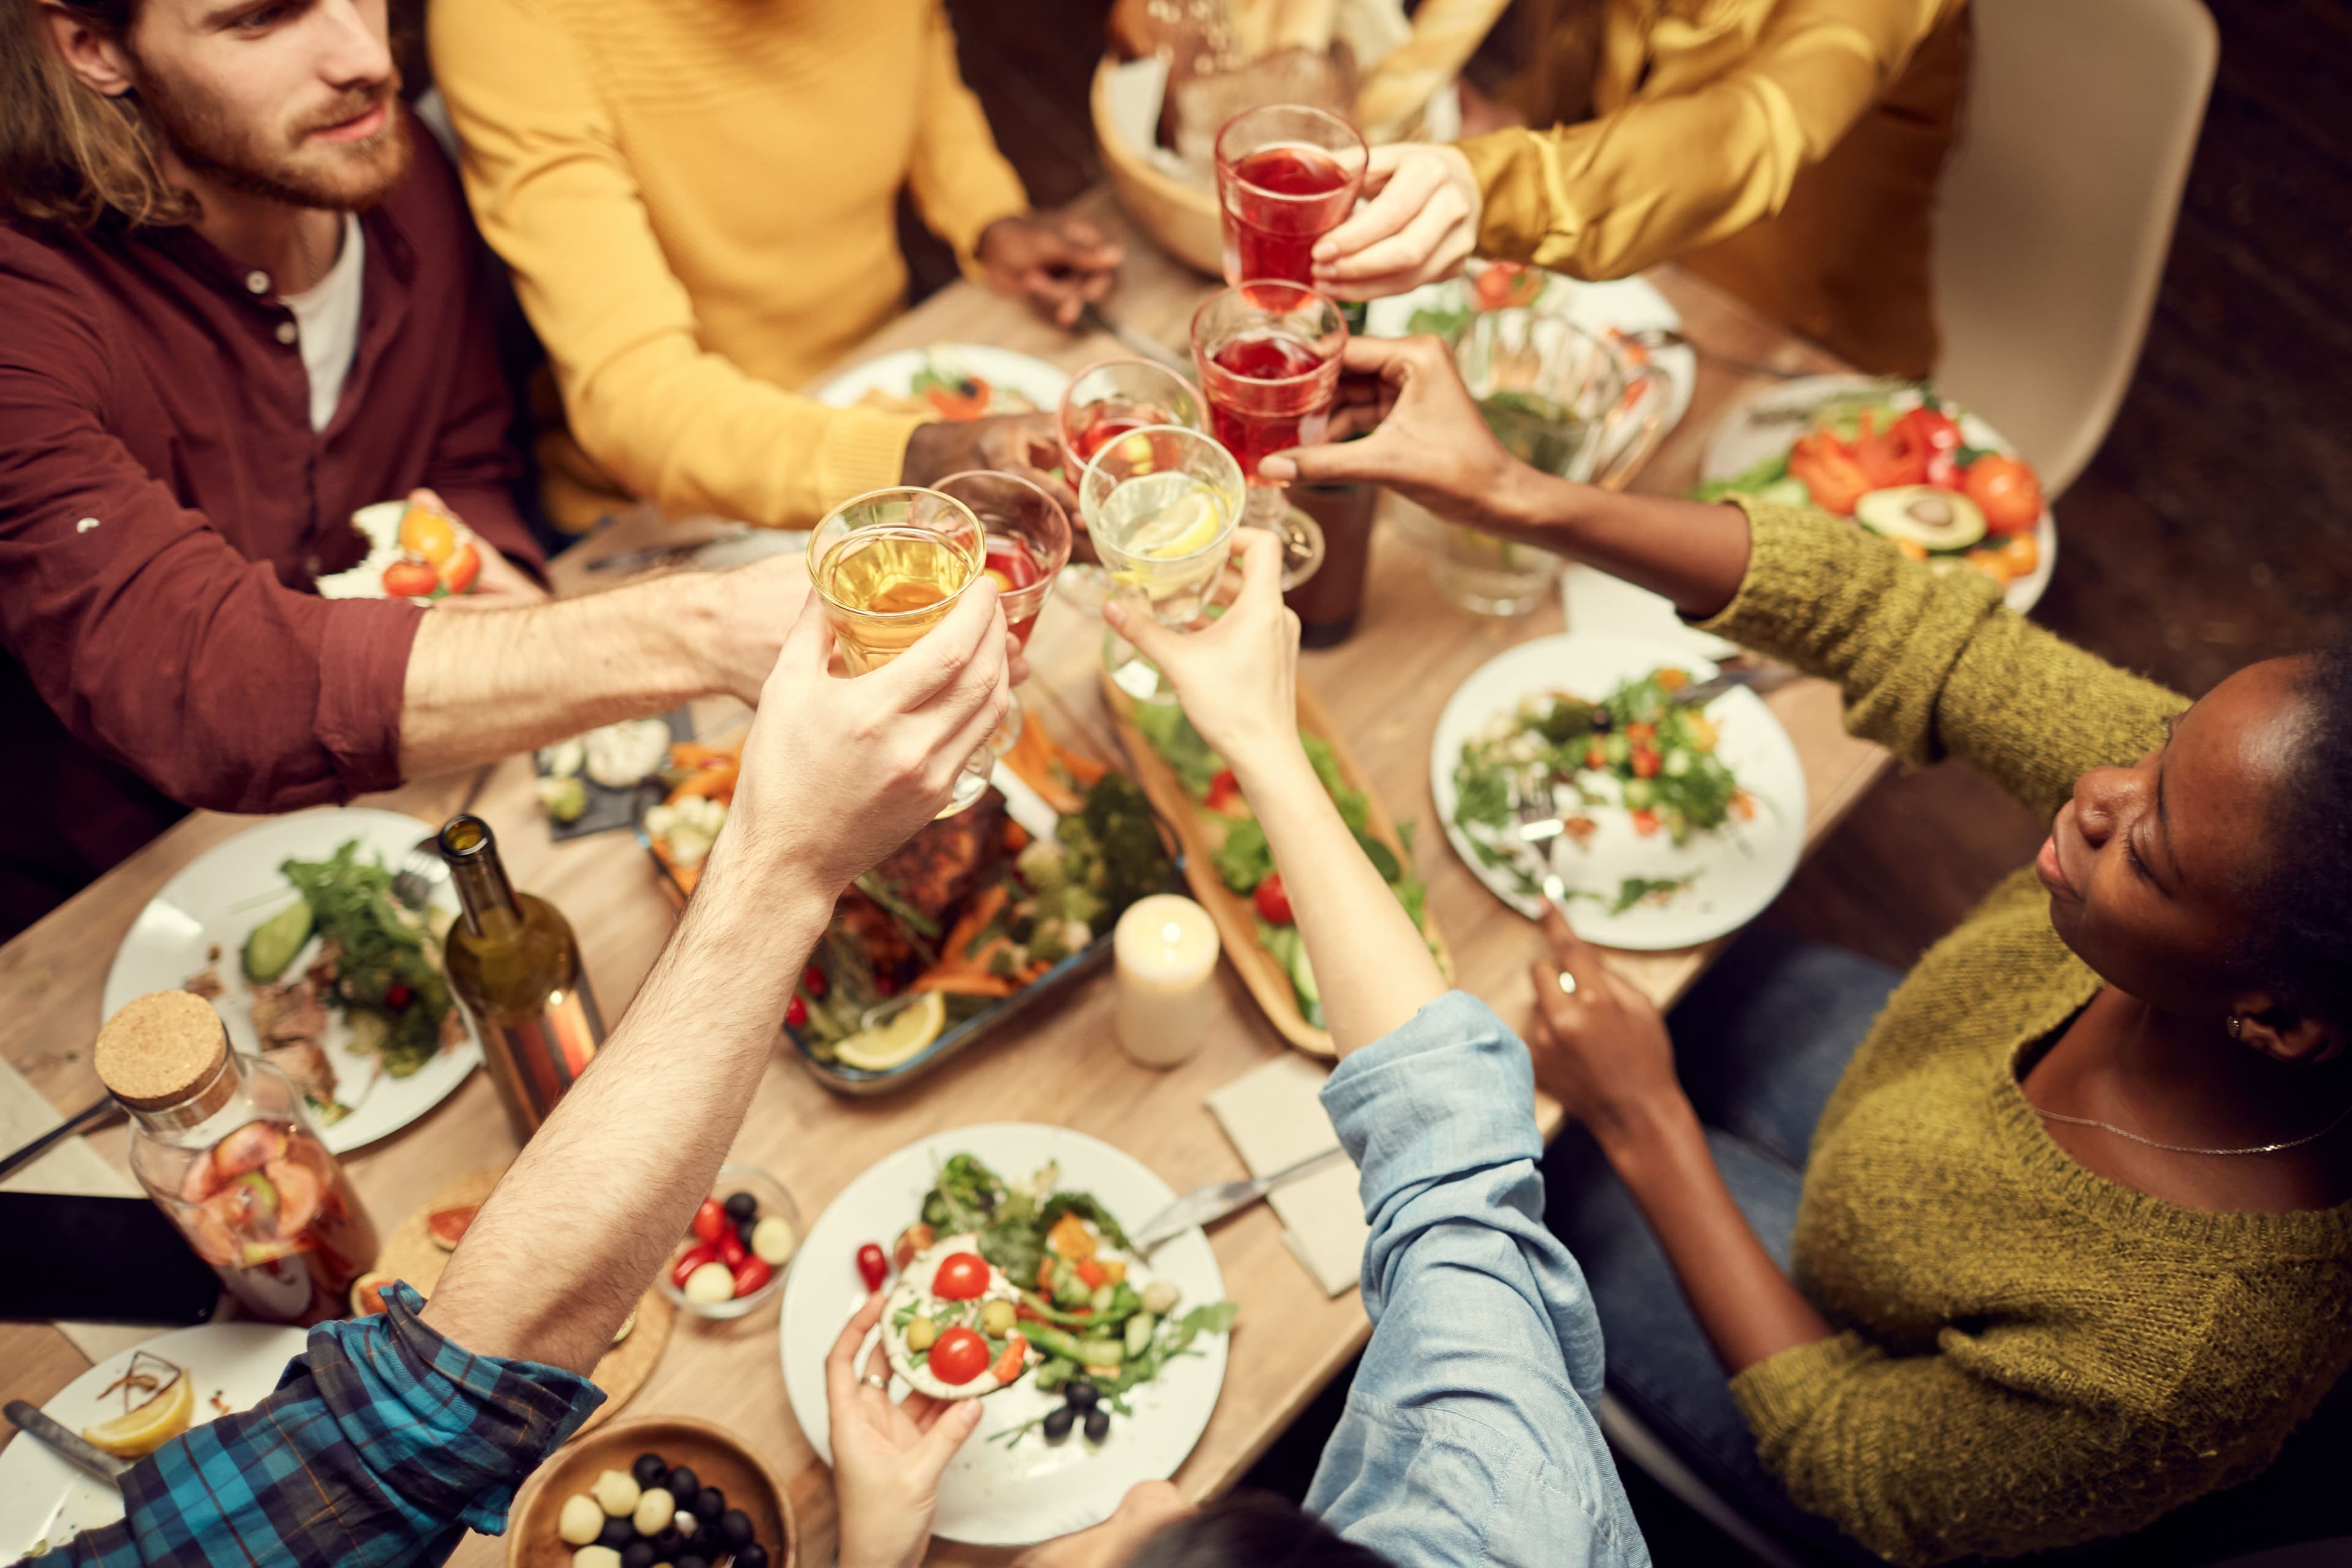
(2029, 1355)
(696, 200)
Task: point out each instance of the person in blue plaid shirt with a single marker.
(393, 1434)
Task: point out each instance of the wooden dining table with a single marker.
(1384, 687)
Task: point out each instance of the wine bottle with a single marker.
(513, 962)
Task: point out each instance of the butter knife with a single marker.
(1210, 1203)
(70, 1446)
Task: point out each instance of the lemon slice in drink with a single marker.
(898, 1039)
(139, 1433)
(1186, 526)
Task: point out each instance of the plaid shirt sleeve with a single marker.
(382, 1444)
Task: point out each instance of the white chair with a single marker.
(2056, 210)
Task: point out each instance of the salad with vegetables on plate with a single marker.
(1896, 460)
(998, 1280)
(1244, 862)
(1636, 750)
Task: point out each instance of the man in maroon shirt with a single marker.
(240, 298)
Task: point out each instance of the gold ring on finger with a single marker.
(1567, 983)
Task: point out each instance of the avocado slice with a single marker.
(270, 946)
(1926, 515)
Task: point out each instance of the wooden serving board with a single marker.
(410, 1253)
(1202, 834)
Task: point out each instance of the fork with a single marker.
(420, 873)
(1538, 820)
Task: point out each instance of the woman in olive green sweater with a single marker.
(2074, 1246)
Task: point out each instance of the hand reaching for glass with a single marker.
(1419, 224)
(1238, 677)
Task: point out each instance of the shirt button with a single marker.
(288, 332)
(256, 282)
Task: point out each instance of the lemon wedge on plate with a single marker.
(898, 1039)
(139, 1433)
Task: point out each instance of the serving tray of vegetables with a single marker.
(975, 921)
(1230, 868)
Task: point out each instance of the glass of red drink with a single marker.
(1028, 540)
(1286, 177)
(1268, 355)
(1113, 396)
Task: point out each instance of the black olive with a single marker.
(753, 1555)
(683, 1484)
(741, 1206)
(1600, 721)
(667, 1545)
(617, 1533)
(690, 1560)
(735, 1527)
(649, 1469)
(638, 1554)
(1058, 1422)
(1080, 1395)
(1097, 1423)
(710, 1503)
(743, 1229)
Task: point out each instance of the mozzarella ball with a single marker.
(581, 1521)
(710, 1285)
(772, 1241)
(595, 1557)
(616, 1493)
(654, 1509)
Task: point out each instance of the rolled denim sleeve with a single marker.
(382, 1444)
(1471, 1434)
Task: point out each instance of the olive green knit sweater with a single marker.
(2028, 1354)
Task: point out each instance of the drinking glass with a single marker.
(1286, 175)
(1103, 401)
(1028, 541)
(1268, 355)
(1161, 504)
(889, 565)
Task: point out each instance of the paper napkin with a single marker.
(1596, 602)
(1274, 1117)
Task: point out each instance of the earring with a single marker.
(2237, 1026)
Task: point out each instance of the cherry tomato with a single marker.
(813, 981)
(1273, 902)
(2007, 492)
(410, 580)
(962, 1277)
(1224, 796)
(1595, 758)
(710, 1221)
(958, 1356)
(1015, 1357)
(1638, 732)
(872, 1266)
(397, 995)
(731, 1250)
(751, 1274)
(1645, 762)
(796, 1012)
(1646, 823)
(917, 1238)
(692, 1258)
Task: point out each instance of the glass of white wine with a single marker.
(1162, 503)
(889, 565)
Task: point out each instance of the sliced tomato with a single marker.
(961, 1277)
(965, 399)
(958, 1356)
(1646, 823)
(457, 572)
(1015, 1357)
(1829, 471)
(1092, 1273)
(1274, 903)
(1645, 762)
(1896, 456)
(916, 1238)
(1224, 796)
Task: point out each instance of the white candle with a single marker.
(1166, 948)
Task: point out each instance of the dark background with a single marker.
(2211, 530)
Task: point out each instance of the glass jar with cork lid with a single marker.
(221, 1142)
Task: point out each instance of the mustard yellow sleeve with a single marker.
(1666, 175)
(556, 197)
(960, 182)
(1932, 664)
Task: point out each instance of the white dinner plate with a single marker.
(235, 1366)
(1037, 384)
(1741, 867)
(218, 898)
(1769, 422)
(992, 1495)
(1625, 304)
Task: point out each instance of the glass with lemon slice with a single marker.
(1162, 503)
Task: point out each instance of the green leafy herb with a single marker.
(1244, 859)
(387, 966)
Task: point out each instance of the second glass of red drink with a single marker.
(1286, 175)
(1268, 355)
(1028, 540)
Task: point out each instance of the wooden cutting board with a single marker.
(1202, 834)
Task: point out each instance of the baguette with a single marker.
(1446, 33)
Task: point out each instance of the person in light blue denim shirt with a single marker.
(1471, 1435)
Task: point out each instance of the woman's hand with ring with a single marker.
(1600, 1047)
(887, 1459)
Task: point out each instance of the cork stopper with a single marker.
(160, 1049)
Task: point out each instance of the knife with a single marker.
(1210, 1203)
(70, 1446)
(1097, 319)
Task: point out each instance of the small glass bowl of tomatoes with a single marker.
(738, 1247)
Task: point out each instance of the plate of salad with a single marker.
(1901, 460)
(1230, 868)
(948, 381)
(292, 931)
(1004, 1250)
(1680, 822)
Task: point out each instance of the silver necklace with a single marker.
(2341, 1117)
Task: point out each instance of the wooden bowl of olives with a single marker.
(661, 1489)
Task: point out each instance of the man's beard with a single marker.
(339, 176)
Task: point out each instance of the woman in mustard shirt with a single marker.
(1785, 150)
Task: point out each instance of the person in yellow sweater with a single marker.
(1786, 150)
(696, 200)
(2073, 1247)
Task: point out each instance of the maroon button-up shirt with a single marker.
(165, 506)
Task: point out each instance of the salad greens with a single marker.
(388, 981)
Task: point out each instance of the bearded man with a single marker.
(241, 300)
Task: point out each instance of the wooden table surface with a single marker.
(1385, 688)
